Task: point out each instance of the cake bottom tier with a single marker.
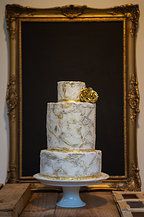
(70, 164)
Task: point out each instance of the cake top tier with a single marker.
(70, 90)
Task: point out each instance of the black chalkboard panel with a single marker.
(86, 51)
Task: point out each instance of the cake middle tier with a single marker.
(71, 125)
(70, 164)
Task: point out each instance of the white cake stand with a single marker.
(71, 198)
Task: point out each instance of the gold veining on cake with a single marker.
(88, 95)
(59, 163)
(60, 116)
(71, 125)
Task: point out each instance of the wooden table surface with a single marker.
(43, 204)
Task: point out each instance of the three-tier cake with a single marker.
(71, 134)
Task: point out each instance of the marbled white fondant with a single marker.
(71, 125)
(69, 90)
(70, 164)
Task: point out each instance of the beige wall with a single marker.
(4, 140)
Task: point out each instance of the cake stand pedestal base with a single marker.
(71, 198)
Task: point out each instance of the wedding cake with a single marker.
(71, 134)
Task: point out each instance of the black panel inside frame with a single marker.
(85, 51)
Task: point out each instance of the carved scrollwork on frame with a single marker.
(72, 11)
(132, 12)
(134, 181)
(12, 96)
(133, 97)
(17, 10)
(12, 12)
(12, 173)
(10, 28)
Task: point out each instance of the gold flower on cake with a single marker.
(88, 95)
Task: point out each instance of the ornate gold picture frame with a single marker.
(124, 18)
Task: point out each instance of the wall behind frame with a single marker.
(4, 63)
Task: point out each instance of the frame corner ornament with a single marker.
(12, 177)
(16, 10)
(132, 12)
(12, 96)
(12, 13)
(72, 11)
(133, 97)
(134, 181)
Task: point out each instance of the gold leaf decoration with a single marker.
(88, 95)
(133, 97)
(96, 176)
